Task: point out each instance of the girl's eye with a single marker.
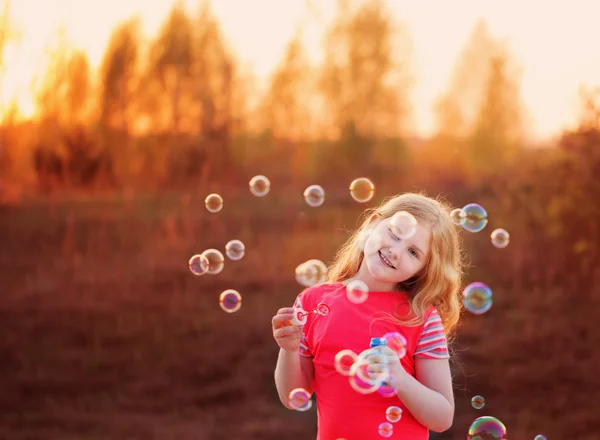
(414, 253)
(393, 235)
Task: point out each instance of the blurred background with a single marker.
(118, 118)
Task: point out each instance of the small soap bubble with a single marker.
(213, 202)
(235, 250)
(362, 239)
(357, 291)
(298, 398)
(478, 402)
(403, 225)
(198, 264)
(386, 429)
(362, 189)
(344, 360)
(259, 186)
(393, 414)
(311, 272)
(540, 437)
(397, 342)
(368, 369)
(357, 382)
(477, 298)
(314, 196)
(458, 216)
(230, 301)
(308, 405)
(476, 217)
(500, 238)
(216, 261)
(488, 428)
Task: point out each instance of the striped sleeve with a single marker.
(432, 342)
(303, 350)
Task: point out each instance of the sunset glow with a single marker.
(553, 43)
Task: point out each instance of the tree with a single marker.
(365, 77)
(168, 78)
(286, 111)
(480, 115)
(118, 78)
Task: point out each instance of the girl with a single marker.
(413, 290)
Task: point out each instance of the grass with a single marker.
(105, 334)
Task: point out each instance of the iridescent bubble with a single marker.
(500, 238)
(374, 243)
(359, 385)
(362, 239)
(477, 298)
(478, 402)
(344, 360)
(362, 189)
(314, 196)
(308, 405)
(393, 414)
(298, 398)
(259, 186)
(213, 202)
(540, 437)
(476, 217)
(366, 364)
(357, 291)
(403, 225)
(487, 428)
(397, 342)
(216, 261)
(386, 390)
(311, 272)
(230, 301)
(235, 250)
(386, 429)
(458, 216)
(198, 264)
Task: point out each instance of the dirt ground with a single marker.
(105, 333)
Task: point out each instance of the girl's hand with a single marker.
(287, 335)
(386, 359)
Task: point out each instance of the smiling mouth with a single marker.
(385, 260)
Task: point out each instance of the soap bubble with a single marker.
(540, 437)
(311, 272)
(216, 261)
(314, 196)
(357, 291)
(230, 301)
(476, 217)
(344, 360)
(235, 250)
(458, 216)
(403, 225)
(477, 298)
(259, 186)
(393, 414)
(397, 342)
(500, 238)
(198, 264)
(488, 428)
(362, 189)
(386, 429)
(478, 402)
(213, 202)
(298, 398)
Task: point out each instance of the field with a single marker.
(105, 333)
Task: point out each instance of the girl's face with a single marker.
(389, 260)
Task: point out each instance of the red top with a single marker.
(344, 413)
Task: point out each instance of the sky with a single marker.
(554, 42)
